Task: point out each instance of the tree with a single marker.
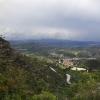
(88, 87)
(44, 96)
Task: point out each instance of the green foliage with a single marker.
(87, 88)
(30, 77)
(15, 97)
(93, 64)
(44, 96)
(2, 78)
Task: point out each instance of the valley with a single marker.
(41, 71)
(64, 56)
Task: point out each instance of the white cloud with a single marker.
(65, 19)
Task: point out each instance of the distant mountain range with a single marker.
(58, 42)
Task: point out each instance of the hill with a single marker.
(60, 42)
(38, 78)
(6, 50)
(23, 78)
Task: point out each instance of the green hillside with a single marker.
(32, 78)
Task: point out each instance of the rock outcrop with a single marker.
(6, 50)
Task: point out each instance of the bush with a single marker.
(44, 96)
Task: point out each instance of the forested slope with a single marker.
(31, 78)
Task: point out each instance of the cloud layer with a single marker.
(58, 19)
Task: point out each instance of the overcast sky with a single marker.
(56, 19)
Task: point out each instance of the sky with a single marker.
(50, 19)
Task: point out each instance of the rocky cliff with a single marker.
(6, 50)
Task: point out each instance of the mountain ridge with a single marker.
(59, 42)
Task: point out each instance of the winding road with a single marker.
(52, 69)
(68, 78)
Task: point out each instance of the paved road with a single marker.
(68, 78)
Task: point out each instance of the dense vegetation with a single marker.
(29, 77)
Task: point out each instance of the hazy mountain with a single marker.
(59, 42)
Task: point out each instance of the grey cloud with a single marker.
(65, 19)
